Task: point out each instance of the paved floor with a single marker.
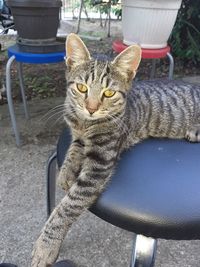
(90, 242)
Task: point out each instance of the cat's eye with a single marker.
(109, 93)
(81, 87)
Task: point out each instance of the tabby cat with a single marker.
(107, 116)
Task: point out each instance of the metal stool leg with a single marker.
(10, 101)
(171, 66)
(51, 182)
(143, 254)
(21, 82)
(153, 70)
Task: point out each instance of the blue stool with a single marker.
(14, 53)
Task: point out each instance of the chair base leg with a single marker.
(171, 66)
(51, 183)
(9, 96)
(21, 82)
(10, 101)
(143, 253)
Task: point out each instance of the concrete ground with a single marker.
(91, 242)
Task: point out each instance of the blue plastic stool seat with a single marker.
(14, 53)
(32, 58)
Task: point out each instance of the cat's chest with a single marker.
(80, 128)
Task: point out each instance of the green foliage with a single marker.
(42, 86)
(185, 37)
(117, 10)
(103, 6)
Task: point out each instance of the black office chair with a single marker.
(154, 193)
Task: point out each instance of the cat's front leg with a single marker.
(72, 165)
(46, 248)
(95, 174)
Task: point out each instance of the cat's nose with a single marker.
(91, 110)
(91, 106)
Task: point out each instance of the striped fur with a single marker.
(149, 109)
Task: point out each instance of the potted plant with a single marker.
(36, 21)
(148, 22)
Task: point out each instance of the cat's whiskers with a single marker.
(56, 121)
(122, 122)
(63, 113)
(72, 110)
(122, 126)
(49, 112)
(54, 115)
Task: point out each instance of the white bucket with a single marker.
(148, 22)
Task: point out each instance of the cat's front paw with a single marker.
(45, 252)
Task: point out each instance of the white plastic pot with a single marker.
(148, 22)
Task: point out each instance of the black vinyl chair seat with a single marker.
(155, 190)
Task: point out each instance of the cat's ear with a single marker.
(76, 51)
(127, 62)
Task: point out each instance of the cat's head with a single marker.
(98, 89)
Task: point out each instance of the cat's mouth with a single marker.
(84, 113)
(94, 116)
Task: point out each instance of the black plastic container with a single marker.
(36, 23)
